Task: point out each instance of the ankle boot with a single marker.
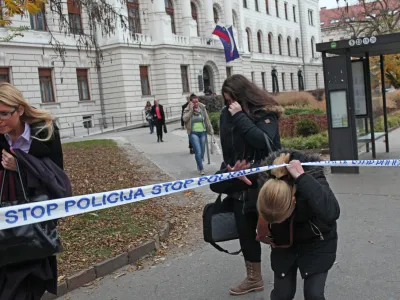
(253, 281)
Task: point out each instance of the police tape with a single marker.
(35, 212)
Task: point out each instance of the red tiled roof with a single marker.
(329, 16)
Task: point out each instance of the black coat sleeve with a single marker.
(254, 132)
(56, 153)
(319, 196)
(233, 185)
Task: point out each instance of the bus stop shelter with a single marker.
(349, 94)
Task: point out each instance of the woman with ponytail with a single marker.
(29, 133)
(297, 217)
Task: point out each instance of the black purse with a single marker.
(165, 128)
(27, 242)
(219, 224)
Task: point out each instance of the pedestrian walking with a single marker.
(157, 112)
(149, 116)
(197, 125)
(189, 99)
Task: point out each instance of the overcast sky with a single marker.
(333, 3)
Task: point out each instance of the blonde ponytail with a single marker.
(11, 96)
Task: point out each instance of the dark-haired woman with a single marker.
(248, 123)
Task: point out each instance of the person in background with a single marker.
(157, 112)
(189, 99)
(197, 125)
(249, 118)
(33, 131)
(298, 212)
(149, 116)
(208, 91)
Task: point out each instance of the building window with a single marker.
(316, 80)
(270, 43)
(263, 80)
(38, 20)
(253, 77)
(259, 39)
(228, 72)
(248, 38)
(312, 48)
(256, 4)
(311, 17)
(74, 16)
(289, 45)
(144, 80)
(294, 13)
(292, 80)
(169, 9)
(280, 44)
(267, 6)
(83, 84)
(87, 122)
(46, 85)
(215, 12)
(4, 75)
(195, 16)
(277, 8)
(297, 47)
(245, 3)
(185, 79)
(283, 81)
(286, 12)
(134, 16)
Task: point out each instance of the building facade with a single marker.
(168, 53)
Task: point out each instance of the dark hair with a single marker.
(192, 96)
(248, 95)
(148, 104)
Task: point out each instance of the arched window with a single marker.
(235, 19)
(194, 16)
(134, 16)
(289, 46)
(215, 11)
(297, 47)
(270, 43)
(259, 39)
(280, 44)
(169, 9)
(312, 47)
(248, 38)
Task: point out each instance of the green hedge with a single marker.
(393, 121)
(316, 141)
(214, 119)
(302, 110)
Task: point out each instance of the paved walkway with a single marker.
(367, 267)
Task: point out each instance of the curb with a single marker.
(109, 266)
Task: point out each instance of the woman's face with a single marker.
(195, 102)
(9, 118)
(228, 99)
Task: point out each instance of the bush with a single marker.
(214, 119)
(318, 94)
(306, 127)
(212, 103)
(302, 110)
(317, 141)
(394, 97)
(300, 99)
(287, 125)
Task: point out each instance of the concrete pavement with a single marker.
(367, 267)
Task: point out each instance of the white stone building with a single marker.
(168, 53)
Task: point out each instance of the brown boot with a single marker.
(253, 281)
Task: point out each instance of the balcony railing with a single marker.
(139, 38)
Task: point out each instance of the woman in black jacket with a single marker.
(158, 114)
(248, 123)
(299, 213)
(32, 131)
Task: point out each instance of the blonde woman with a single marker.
(25, 129)
(298, 212)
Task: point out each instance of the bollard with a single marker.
(87, 126)
(126, 121)
(73, 128)
(130, 116)
(113, 122)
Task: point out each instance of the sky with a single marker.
(333, 3)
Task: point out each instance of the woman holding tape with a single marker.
(24, 129)
(248, 129)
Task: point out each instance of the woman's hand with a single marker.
(234, 108)
(8, 161)
(241, 165)
(295, 168)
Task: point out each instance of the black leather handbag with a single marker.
(27, 242)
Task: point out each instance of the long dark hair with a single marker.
(148, 104)
(248, 95)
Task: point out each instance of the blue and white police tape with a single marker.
(35, 212)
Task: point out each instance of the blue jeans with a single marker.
(151, 125)
(198, 141)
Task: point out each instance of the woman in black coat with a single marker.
(248, 130)
(159, 119)
(298, 213)
(32, 131)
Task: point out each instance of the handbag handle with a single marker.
(20, 179)
(268, 141)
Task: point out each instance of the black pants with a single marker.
(159, 129)
(285, 288)
(246, 226)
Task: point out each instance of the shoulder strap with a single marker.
(219, 248)
(268, 141)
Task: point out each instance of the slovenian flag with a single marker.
(227, 39)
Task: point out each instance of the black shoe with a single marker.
(191, 151)
(162, 141)
(158, 140)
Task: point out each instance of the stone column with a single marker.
(228, 13)
(189, 25)
(161, 23)
(210, 25)
(242, 30)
